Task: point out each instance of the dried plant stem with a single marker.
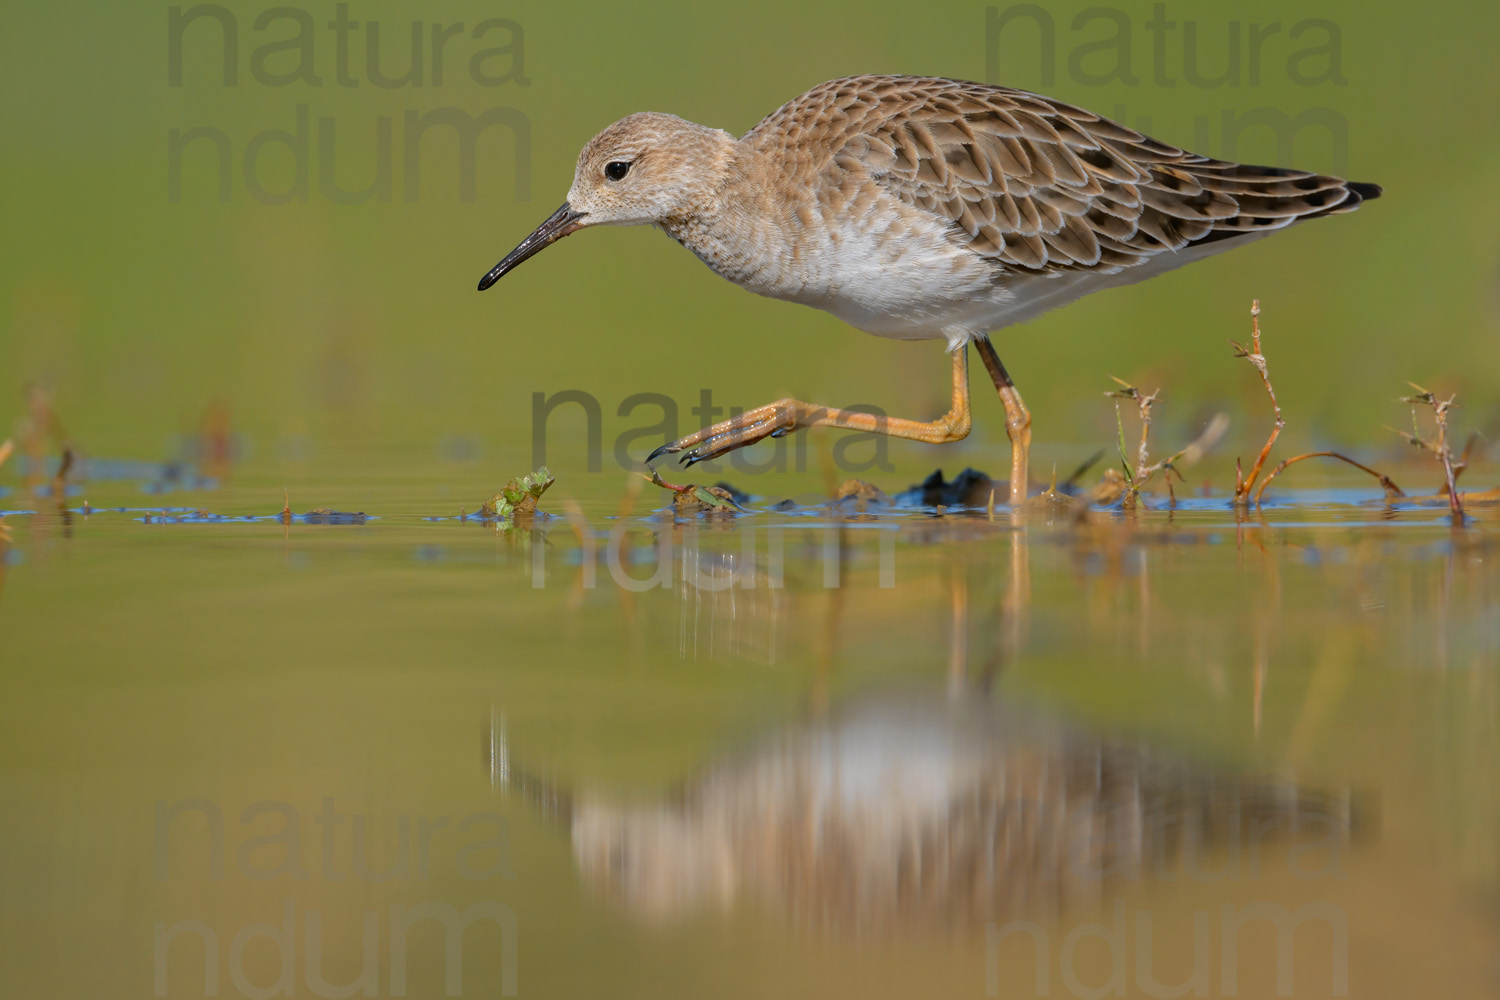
(712, 497)
(655, 479)
(1077, 474)
(1137, 475)
(1463, 460)
(1440, 413)
(1444, 453)
(1391, 489)
(60, 480)
(1141, 455)
(1243, 485)
(1141, 473)
(1195, 448)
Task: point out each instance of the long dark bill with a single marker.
(559, 224)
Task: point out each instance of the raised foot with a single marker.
(787, 415)
(773, 420)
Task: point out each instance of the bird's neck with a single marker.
(743, 233)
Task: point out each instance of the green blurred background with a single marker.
(352, 332)
(360, 369)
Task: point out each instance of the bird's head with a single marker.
(643, 169)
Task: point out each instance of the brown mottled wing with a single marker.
(1041, 185)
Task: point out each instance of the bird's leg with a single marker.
(785, 415)
(1017, 419)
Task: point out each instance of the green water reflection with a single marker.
(783, 752)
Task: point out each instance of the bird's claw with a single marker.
(704, 452)
(688, 458)
(719, 440)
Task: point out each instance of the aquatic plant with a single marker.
(519, 496)
(692, 498)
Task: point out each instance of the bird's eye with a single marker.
(616, 171)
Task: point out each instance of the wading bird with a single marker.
(920, 208)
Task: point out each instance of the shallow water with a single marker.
(802, 752)
(788, 753)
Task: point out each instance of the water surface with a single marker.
(810, 751)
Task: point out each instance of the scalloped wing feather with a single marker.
(1037, 185)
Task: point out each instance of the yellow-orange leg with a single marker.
(786, 415)
(1017, 419)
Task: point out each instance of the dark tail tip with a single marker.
(1366, 191)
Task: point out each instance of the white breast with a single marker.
(893, 276)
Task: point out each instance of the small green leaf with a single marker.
(707, 496)
(1124, 459)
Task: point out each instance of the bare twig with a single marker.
(691, 497)
(1071, 482)
(38, 425)
(1242, 485)
(1391, 489)
(60, 480)
(1135, 476)
(1141, 473)
(1441, 449)
(1172, 493)
(1141, 454)
(1189, 455)
(655, 479)
(1463, 460)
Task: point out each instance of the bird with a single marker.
(924, 208)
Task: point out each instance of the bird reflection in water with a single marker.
(922, 810)
(946, 805)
